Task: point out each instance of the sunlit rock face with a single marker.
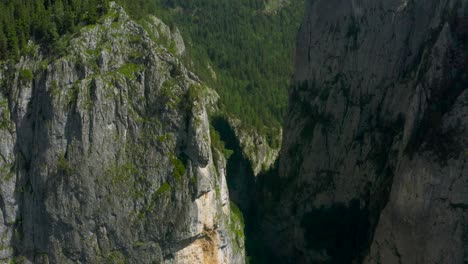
(106, 157)
(374, 160)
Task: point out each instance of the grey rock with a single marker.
(373, 164)
(273, 6)
(169, 38)
(98, 163)
(255, 146)
(179, 41)
(425, 219)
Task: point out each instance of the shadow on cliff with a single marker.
(31, 186)
(254, 196)
(240, 176)
(343, 232)
(340, 233)
(241, 182)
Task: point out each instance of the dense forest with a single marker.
(237, 47)
(46, 21)
(250, 49)
(43, 21)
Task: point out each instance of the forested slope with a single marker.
(240, 48)
(250, 50)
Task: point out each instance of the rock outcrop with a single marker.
(105, 154)
(273, 6)
(255, 147)
(374, 161)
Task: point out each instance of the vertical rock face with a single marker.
(374, 156)
(105, 155)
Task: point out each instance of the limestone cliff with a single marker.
(105, 154)
(374, 160)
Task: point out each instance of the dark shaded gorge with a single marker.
(342, 231)
(241, 182)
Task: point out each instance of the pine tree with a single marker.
(12, 39)
(59, 16)
(3, 44)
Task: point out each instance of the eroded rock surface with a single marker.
(105, 154)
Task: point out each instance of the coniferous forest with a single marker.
(237, 47)
(250, 49)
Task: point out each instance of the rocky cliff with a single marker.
(105, 154)
(374, 161)
(255, 147)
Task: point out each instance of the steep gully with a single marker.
(246, 190)
(240, 180)
(344, 229)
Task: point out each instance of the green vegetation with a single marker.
(195, 92)
(153, 202)
(26, 75)
(47, 21)
(164, 188)
(116, 257)
(123, 174)
(63, 165)
(129, 70)
(179, 167)
(7, 172)
(170, 92)
(18, 260)
(54, 88)
(126, 179)
(44, 21)
(5, 121)
(218, 144)
(218, 191)
(250, 50)
(236, 214)
(236, 225)
(73, 95)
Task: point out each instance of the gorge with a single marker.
(118, 150)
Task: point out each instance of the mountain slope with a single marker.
(106, 154)
(235, 47)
